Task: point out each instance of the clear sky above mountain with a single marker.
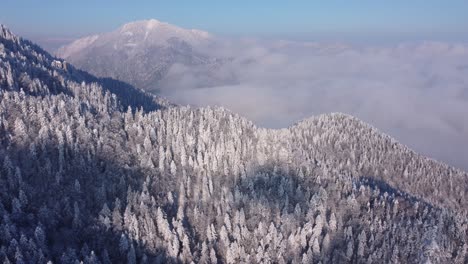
(57, 20)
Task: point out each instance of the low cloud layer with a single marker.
(417, 93)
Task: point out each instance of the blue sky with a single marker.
(409, 19)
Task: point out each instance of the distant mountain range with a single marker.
(94, 170)
(142, 52)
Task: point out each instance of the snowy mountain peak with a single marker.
(146, 24)
(161, 31)
(152, 23)
(130, 36)
(150, 47)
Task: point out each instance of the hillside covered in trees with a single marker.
(97, 171)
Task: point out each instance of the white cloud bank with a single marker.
(417, 93)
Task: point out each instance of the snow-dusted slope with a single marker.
(84, 180)
(136, 35)
(140, 52)
(76, 46)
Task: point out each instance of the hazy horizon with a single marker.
(56, 22)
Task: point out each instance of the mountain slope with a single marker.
(38, 73)
(137, 34)
(151, 48)
(84, 179)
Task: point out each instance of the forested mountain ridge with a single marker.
(87, 177)
(38, 73)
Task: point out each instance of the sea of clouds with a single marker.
(415, 92)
